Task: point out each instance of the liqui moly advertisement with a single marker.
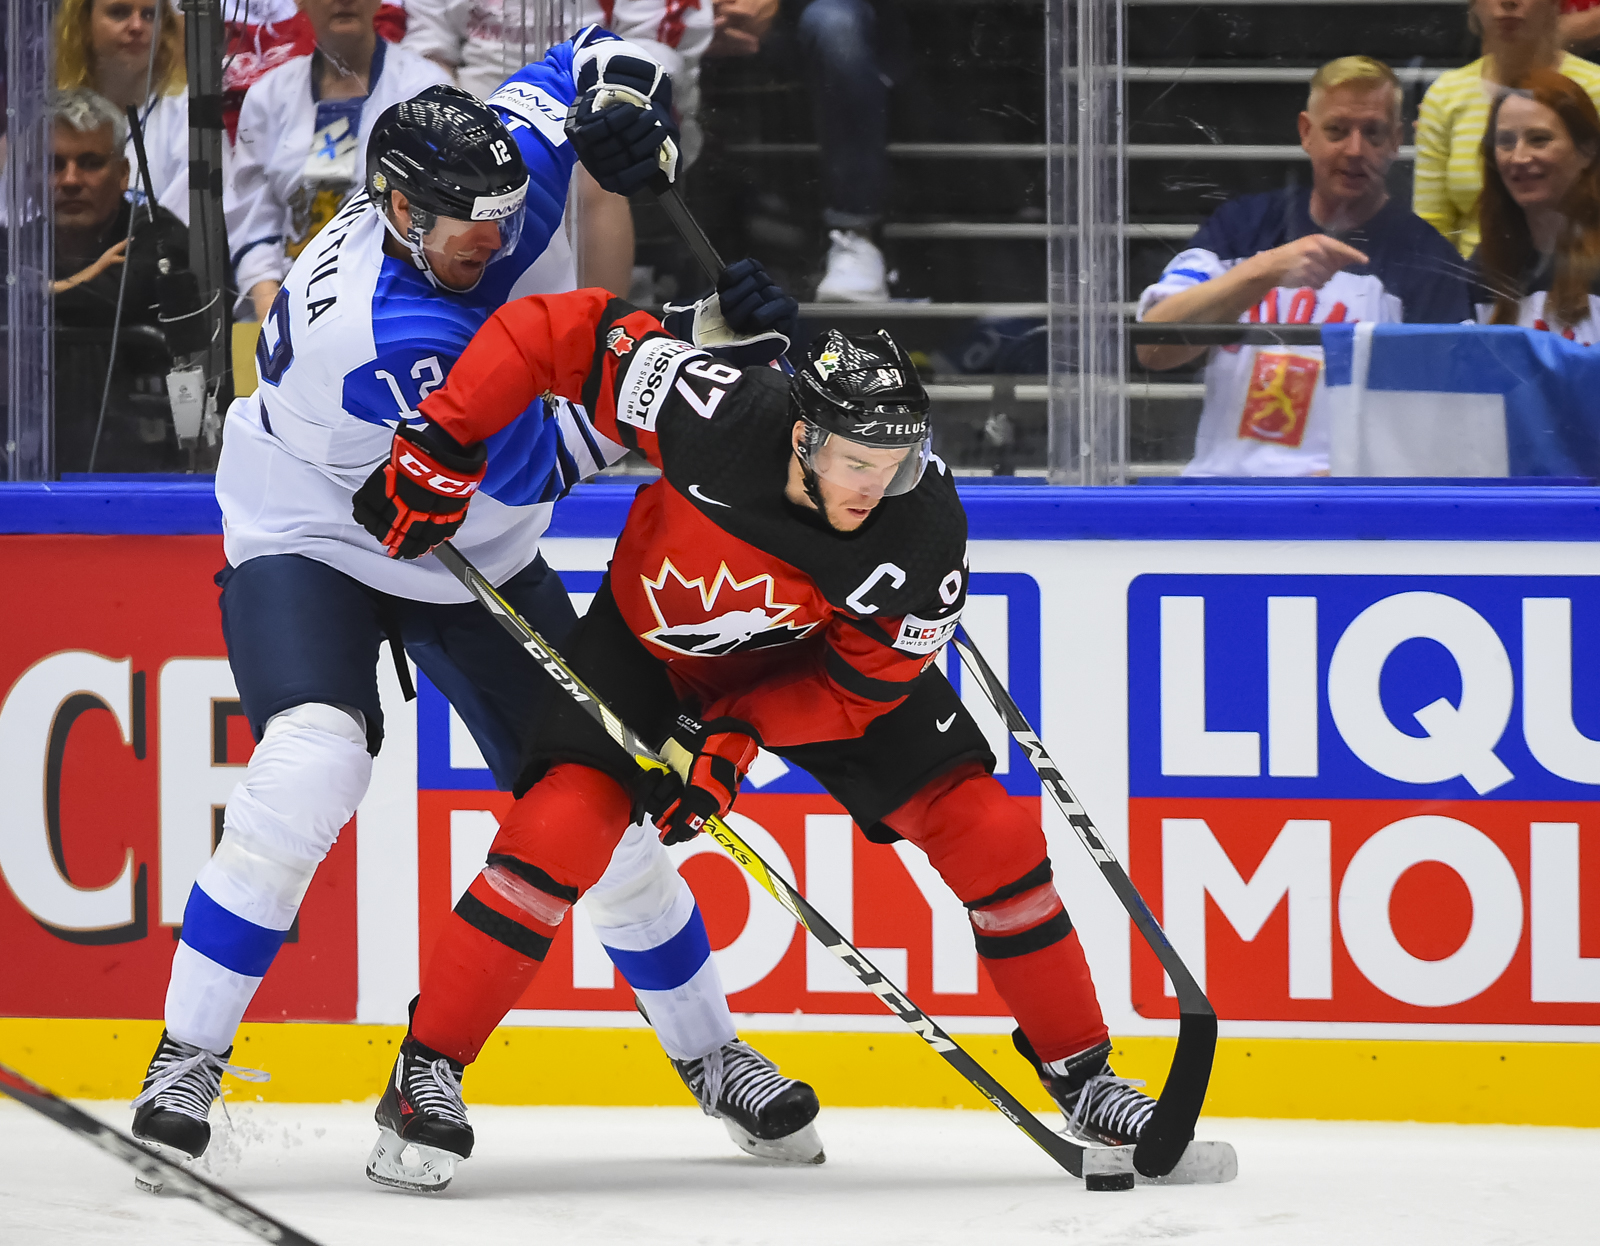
(1370, 797)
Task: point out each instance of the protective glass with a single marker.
(873, 471)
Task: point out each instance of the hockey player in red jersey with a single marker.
(786, 584)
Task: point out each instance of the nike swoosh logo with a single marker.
(694, 491)
(945, 725)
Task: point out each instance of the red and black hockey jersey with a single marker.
(760, 611)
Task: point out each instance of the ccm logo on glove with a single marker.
(432, 477)
(419, 497)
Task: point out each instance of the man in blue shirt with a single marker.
(1339, 252)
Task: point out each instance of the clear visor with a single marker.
(473, 244)
(868, 471)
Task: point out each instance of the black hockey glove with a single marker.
(752, 302)
(756, 331)
(419, 497)
(711, 759)
(621, 125)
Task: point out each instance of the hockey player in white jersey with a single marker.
(463, 211)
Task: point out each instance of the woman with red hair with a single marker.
(1538, 264)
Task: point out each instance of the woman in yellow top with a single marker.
(1519, 36)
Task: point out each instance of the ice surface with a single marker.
(661, 1176)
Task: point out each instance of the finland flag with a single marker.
(1461, 400)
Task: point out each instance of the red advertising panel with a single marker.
(119, 742)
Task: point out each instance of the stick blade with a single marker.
(1171, 1125)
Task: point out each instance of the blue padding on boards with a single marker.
(670, 965)
(227, 938)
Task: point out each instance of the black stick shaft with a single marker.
(1064, 1151)
(154, 1168)
(683, 220)
(137, 131)
(1172, 1124)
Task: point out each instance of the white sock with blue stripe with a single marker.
(651, 928)
(302, 785)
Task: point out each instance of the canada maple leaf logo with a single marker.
(731, 615)
(618, 342)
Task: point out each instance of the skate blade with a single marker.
(428, 1171)
(1202, 1163)
(803, 1146)
(152, 1184)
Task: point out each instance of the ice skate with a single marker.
(767, 1114)
(170, 1114)
(422, 1122)
(1108, 1111)
(855, 271)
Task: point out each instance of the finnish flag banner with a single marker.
(1460, 400)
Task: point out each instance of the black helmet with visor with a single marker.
(453, 159)
(862, 402)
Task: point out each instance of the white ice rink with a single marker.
(660, 1176)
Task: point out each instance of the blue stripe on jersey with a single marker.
(670, 965)
(524, 465)
(565, 477)
(581, 422)
(1188, 272)
(227, 938)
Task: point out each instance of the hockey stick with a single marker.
(1077, 1159)
(1172, 1123)
(157, 1170)
(678, 213)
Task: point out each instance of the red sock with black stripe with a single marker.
(552, 846)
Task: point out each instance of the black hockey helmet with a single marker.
(862, 388)
(452, 157)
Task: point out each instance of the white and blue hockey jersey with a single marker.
(357, 339)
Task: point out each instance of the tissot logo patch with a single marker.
(650, 375)
(728, 616)
(923, 636)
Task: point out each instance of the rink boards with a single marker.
(1346, 739)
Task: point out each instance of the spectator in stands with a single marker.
(1580, 25)
(262, 34)
(1519, 36)
(844, 44)
(1340, 251)
(846, 48)
(98, 266)
(481, 43)
(302, 142)
(1539, 262)
(104, 45)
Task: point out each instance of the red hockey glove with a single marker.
(711, 759)
(419, 497)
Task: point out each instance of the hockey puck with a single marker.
(1108, 1181)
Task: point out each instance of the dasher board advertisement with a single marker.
(1353, 778)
